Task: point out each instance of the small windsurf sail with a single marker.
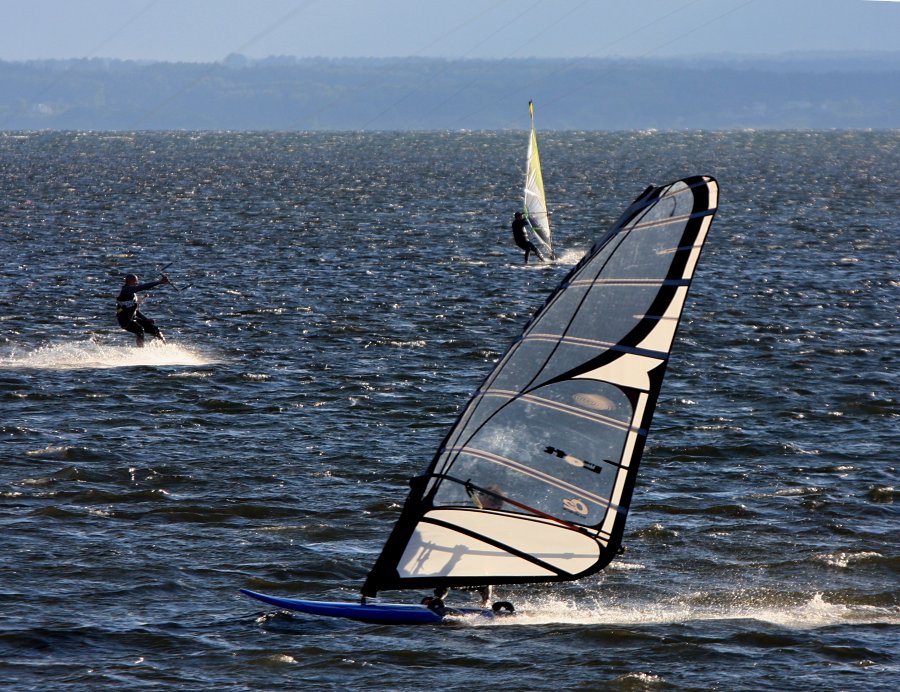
(534, 480)
(535, 199)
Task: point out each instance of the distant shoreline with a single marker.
(790, 91)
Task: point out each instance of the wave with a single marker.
(570, 257)
(91, 354)
(566, 258)
(811, 612)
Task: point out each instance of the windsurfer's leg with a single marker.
(526, 246)
(137, 330)
(147, 325)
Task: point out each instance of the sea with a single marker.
(335, 300)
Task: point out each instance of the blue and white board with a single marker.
(386, 613)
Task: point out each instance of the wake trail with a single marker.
(566, 258)
(92, 354)
(813, 613)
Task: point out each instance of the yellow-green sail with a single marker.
(535, 200)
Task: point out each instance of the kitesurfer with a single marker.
(521, 237)
(130, 318)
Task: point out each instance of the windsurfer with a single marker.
(436, 602)
(489, 498)
(521, 237)
(130, 318)
(486, 593)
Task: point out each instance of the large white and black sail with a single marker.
(534, 480)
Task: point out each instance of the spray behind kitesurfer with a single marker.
(130, 318)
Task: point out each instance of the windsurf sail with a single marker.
(533, 482)
(535, 199)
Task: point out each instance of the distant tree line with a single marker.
(284, 93)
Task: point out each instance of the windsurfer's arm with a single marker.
(151, 284)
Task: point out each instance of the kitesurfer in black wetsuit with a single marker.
(518, 228)
(127, 313)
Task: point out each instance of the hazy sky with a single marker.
(208, 30)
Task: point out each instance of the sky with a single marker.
(210, 30)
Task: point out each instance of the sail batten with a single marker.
(568, 408)
(534, 480)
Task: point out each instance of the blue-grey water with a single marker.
(338, 297)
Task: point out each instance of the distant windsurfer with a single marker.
(130, 318)
(521, 237)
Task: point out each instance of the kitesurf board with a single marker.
(385, 613)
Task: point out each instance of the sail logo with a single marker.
(573, 504)
(598, 402)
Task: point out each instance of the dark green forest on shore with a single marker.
(283, 93)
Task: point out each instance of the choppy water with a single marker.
(341, 295)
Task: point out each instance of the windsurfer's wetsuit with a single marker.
(128, 315)
(521, 238)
